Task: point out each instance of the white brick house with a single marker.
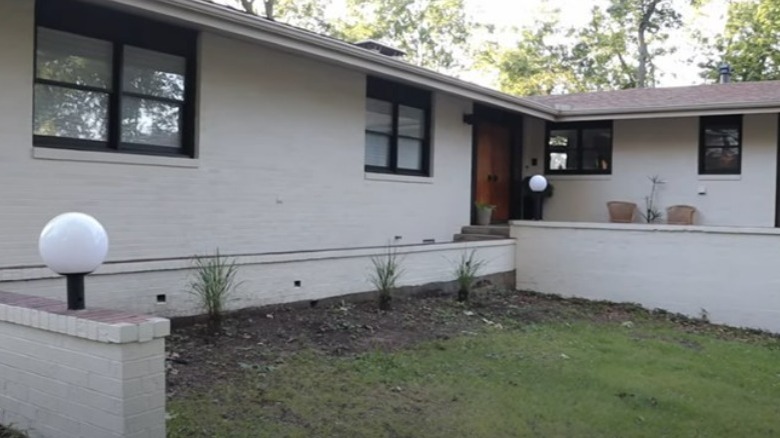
(184, 127)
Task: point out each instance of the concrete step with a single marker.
(494, 230)
(477, 237)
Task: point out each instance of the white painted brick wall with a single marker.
(269, 279)
(62, 385)
(729, 272)
(280, 168)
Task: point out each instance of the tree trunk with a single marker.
(644, 55)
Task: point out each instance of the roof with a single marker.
(640, 103)
(734, 96)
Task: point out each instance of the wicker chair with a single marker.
(621, 212)
(680, 215)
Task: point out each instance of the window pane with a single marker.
(721, 137)
(377, 150)
(73, 59)
(410, 154)
(64, 112)
(411, 122)
(153, 73)
(722, 160)
(598, 139)
(379, 116)
(150, 122)
(559, 161)
(594, 160)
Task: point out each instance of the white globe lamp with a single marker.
(538, 184)
(73, 245)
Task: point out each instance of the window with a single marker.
(579, 148)
(720, 145)
(397, 128)
(113, 82)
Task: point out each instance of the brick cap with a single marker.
(100, 325)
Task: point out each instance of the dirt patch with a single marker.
(261, 339)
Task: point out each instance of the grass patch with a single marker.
(551, 379)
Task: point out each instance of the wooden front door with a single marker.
(494, 168)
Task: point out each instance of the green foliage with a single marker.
(484, 206)
(466, 272)
(213, 282)
(749, 43)
(433, 33)
(385, 273)
(596, 57)
(576, 379)
(10, 432)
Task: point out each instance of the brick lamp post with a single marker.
(73, 245)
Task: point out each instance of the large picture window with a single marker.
(579, 148)
(720, 145)
(108, 81)
(397, 128)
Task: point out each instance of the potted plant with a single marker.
(484, 213)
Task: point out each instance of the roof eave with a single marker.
(222, 20)
(667, 112)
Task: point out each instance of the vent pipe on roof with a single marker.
(725, 74)
(384, 49)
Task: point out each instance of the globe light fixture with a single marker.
(73, 245)
(538, 185)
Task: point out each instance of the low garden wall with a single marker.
(160, 286)
(90, 373)
(729, 275)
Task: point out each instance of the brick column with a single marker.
(88, 373)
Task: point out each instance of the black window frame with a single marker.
(402, 95)
(121, 29)
(579, 127)
(708, 122)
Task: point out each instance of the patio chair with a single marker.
(680, 215)
(621, 211)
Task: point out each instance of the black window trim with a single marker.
(121, 29)
(579, 127)
(709, 121)
(399, 95)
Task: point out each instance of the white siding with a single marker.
(668, 148)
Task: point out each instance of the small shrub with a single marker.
(384, 276)
(466, 271)
(652, 213)
(213, 283)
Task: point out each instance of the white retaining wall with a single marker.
(732, 274)
(87, 374)
(267, 278)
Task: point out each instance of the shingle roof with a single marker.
(730, 94)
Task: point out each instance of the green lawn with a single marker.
(583, 379)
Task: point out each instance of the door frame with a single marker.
(513, 122)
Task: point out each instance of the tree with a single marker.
(750, 42)
(535, 66)
(596, 56)
(433, 33)
(249, 6)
